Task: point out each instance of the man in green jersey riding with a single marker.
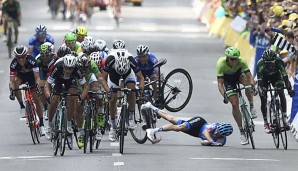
(231, 70)
(271, 69)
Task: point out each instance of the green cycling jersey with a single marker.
(264, 69)
(93, 69)
(224, 70)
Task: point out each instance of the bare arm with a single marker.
(220, 84)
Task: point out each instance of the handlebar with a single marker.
(125, 89)
(238, 89)
(25, 88)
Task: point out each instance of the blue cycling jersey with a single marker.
(35, 43)
(212, 127)
(146, 68)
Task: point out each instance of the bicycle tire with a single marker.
(30, 121)
(139, 133)
(86, 130)
(174, 93)
(248, 125)
(55, 137)
(63, 133)
(283, 131)
(70, 141)
(9, 42)
(122, 127)
(36, 126)
(274, 130)
(93, 129)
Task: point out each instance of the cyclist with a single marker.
(86, 44)
(233, 69)
(92, 75)
(44, 60)
(102, 45)
(120, 63)
(118, 44)
(65, 73)
(272, 68)
(146, 61)
(23, 68)
(116, 4)
(98, 60)
(12, 9)
(212, 134)
(61, 52)
(71, 42)
(81, 33)
(39, 38)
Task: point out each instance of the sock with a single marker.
(41, 121)
(45, 106)
(113, 122)
(155, 130)
(21, 104)
(155, 109)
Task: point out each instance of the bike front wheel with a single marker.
(274, 125)
(139, 131)
(249, 127)
(177, 90)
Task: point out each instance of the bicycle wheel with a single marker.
(36, 125)
(122, 127)
(273, 125)
(93, 129)
(55, 136)
(63, 132)
(86, 130)
(139, 133)
(248, 126)
(30, 122)
(177, 90)
(9, 41)
(283, 132)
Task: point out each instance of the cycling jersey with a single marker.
(44, 67)
(35, 43)
(57, 77)
(264, 70)
(146, 68)
(113, 75)
(197, 125)
(223, 70)
(25, 73)
(93, 69)
(77, 48)
(12, 10)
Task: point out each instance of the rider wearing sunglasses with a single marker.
(271, 68)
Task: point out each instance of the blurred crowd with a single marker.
(265, 20)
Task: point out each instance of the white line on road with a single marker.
(233, 159)
(116, 154)
(25, 157)
(118, 163)
(1, 71)
(114, 144)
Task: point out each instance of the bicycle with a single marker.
(247, 122)
(9, 32)
(60, 134)
(277, 127)
(31, 115)
(121, 130)
(90, 121)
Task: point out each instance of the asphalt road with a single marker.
(171, 31)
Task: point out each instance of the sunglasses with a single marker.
(20, 57)
(233, 59)
(70, 42)
(69, 68)
(270, 62)
(45, 54)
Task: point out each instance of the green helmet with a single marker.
(70, 37)
(44, 48)
(232, 52)
(269, 55)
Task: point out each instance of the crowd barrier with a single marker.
(220, 26)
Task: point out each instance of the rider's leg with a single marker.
(42, 96)
(71, 101)
(18, 82)
(263, 98)
(52, 108)
(16, 32)
(234, 100)
(131, 100)
(39, 107)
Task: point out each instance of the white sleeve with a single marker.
(82, 81)
(36, 69)
(50, 80)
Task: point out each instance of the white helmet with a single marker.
(51, 46)
(122, 63)
(118, 44)
(101, 44)
(69, 60)
(90, 40)
(95, 57)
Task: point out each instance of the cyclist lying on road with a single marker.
(211, 133)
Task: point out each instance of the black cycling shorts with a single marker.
(194, 125)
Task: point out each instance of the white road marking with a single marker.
(104, 28)
(114, 144)
(233, 159)
(118, 163)
(2, 71)
(61, 28)
(116, 154)
(25, 157)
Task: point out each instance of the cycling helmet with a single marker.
(51, 46)
(118, 44)
(41, 29)
(142, 50)
(62, 51)
(90, 40)
(81, 30)
(232, 52)
(93, 48)
(20, 50)
(70, 37)
(85, 46)
(122, 63)
(45, 48)
(101, 44)
(83, 61)
(269, 55)
(224, 129)
(95, 57)
(69, 60)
